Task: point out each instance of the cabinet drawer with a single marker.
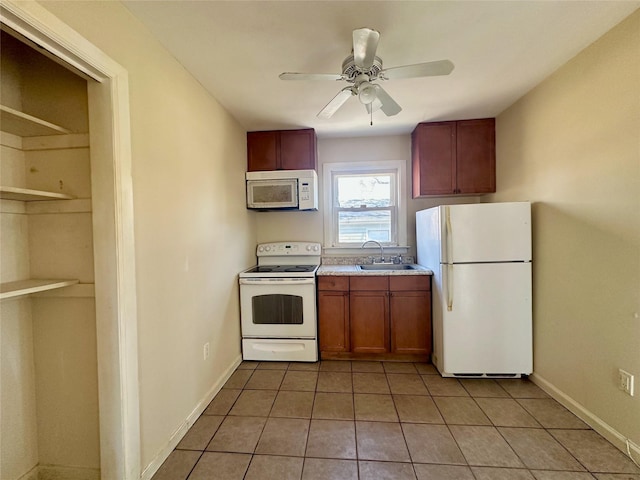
(372, 283)
(409, 282)
(329, 282)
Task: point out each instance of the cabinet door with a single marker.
(476, 156)
(369, 316)
(433, 159)
(410, 322)
(298, 149)
(333, 321)
(262, 151)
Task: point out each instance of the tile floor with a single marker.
(382, 420)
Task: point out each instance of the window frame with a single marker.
(399, 227)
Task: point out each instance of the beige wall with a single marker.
(308, 226)
(192, 231)
(572, 146)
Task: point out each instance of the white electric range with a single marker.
(278, 303)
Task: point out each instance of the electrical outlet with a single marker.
(205, 351)
(625, 382)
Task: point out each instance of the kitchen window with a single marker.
(364, 202)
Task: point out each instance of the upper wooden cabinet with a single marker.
(457, 157)
(281, 150)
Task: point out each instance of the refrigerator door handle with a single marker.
(449, 235)
(449, 287)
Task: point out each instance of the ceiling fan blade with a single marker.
(428, 69)
(336, 103)
(365, 44)
(389, 105)
(310, 76)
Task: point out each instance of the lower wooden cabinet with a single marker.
(333, 318)
(333, 314)
(369, 321)
(362, 316)
(410, 327)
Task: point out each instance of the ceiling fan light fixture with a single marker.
(367, 93)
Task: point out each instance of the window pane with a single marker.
(355, 191)
(357, 227)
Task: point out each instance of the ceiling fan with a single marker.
(362, 68)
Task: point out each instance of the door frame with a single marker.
(114, 247)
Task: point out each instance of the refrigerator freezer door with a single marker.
(429, 237)
(486, 232)
(486, 319)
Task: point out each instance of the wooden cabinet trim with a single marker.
(409, 282)
(369, 283)
(336, 283)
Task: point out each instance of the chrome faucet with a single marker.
(381, 249)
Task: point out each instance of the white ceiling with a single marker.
(501, 49)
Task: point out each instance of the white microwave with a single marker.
(282, 190)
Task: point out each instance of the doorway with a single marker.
(113, 241)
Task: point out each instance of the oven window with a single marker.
(277, 309)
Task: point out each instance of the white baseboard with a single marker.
(595, 422)
(30, 475)
(59, 472)
(157, 462)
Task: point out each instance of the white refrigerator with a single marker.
(480, 255)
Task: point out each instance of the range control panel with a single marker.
(281, 249)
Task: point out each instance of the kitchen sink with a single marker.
(385, 267)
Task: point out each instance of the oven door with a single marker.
(278, 307)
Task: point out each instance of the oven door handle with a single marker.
(277, 281)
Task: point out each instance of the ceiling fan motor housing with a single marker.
(351, 71)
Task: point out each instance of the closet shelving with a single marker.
(24, 125)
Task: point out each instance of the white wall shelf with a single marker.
(26, 287)
(28, 195)
(25, 125)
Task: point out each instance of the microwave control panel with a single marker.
(305, 191)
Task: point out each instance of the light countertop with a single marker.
(353, 270)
